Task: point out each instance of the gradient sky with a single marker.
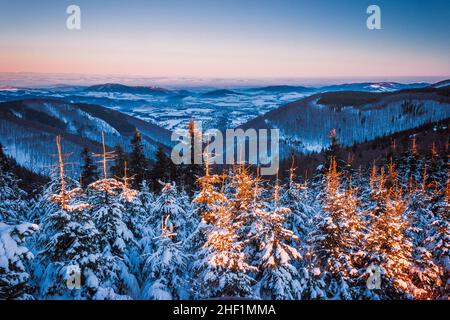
(227, 39)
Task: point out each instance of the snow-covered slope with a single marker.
(373, 86)
(219, 108)
(441, 84)
(28, 129)
(357, 117)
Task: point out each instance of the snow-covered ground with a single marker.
(221, 111)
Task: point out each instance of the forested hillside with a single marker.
(374, 232)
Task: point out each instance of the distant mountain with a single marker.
(2, 87)
(441, 84)
(357, 117)
(120, 88)
(219, 93)
(373, 86)
(28, 129)
(283, 89)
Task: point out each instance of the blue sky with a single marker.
(227, 39)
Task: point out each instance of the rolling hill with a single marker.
(357, 117)
(28, 129)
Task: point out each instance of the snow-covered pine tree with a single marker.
(245, 195)
(342, 236)
(299, 199)
(105, 198)
(134, 217)
(221, 264)
(89, 172)
(118, 168)
(108, 212)
(332, 151)
(193, 170)
(69, 240)
(147, 232)
(13, 205)
(139, 168)
(411, 165)
(279, 279)
(165, 269)
(163, 170)
(169, 203)
(426, 275)
(14, 276)
(438, 240)
(311, 272)
(304, 221)
(388, 245)
(204, 203)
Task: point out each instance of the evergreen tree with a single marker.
(389, 247)
(166, 267)
(168, 203)
(117, 169)
(426, 274)
(138, 162)
(221, 265)
(279, 277)
(342, 230)
(89, 171)
(332, 151)
(14, 277)
(163, 169)
(191, 172)
(116, 239)
(70, 241)
(13, 204)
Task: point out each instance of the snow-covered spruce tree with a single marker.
(310, 270)
(279, 279)
(108, 212)
(426, 275)
(69, 241)
(163, 170)
(120, 158)
(147, 232)
(203, 216)
(138, 166)
(437, 167)
(438, 240)
(89, 172)
(245, 195)
(388, 245)
(13, 258)
(129, 198)
(411, 165)
(146, 196)
(305, 219)
(165, 269)
(299, 198)
(134, 217)
(170, 203)
(13, 205)
(220, 265)
(342, 236)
